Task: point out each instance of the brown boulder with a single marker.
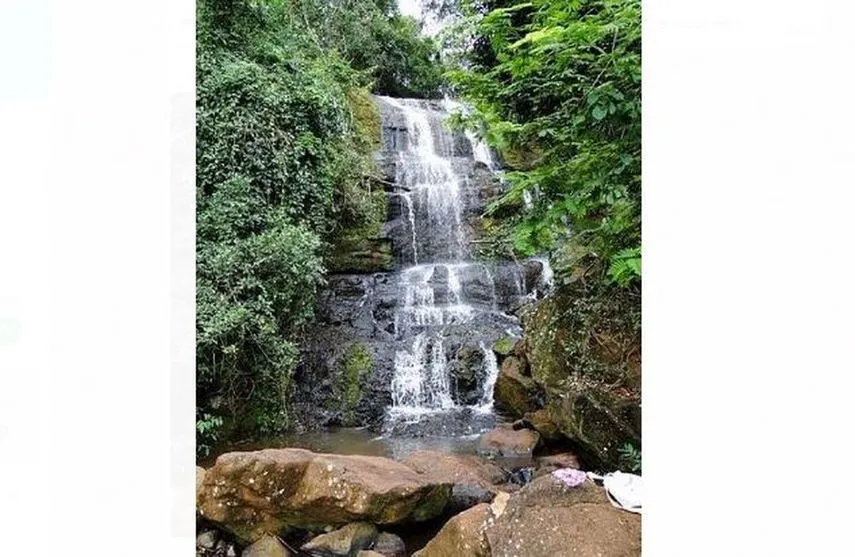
(509, 443)
(456, 469)
(462, 536)
(269, 491)
(267, 546)
(369, 553)
(345, 541)
(514, 392)
(548, 519)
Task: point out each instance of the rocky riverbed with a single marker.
(506, 500)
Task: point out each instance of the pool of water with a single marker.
(355, 441)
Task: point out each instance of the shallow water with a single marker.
(354, 441)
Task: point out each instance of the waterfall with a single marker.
(447, 303)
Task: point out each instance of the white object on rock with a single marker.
(623, 490)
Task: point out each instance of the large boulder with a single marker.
(345, 541)
(462, 536)
(548, 519)
(507, 442)
(475, 481)
(270, 491)
(585, 355)
(514, 392)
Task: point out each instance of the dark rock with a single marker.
(390, 545)
(464, 496)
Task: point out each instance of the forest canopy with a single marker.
(556, 88)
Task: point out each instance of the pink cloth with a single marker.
(570, 477)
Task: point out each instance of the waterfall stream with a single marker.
(441, 285)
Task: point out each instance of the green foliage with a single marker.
(557, 91)
(630, 458)
(373, 37)
(626, 266)
(207, 430)
(286, 130)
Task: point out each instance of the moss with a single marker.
(504, 346)
(366, 116)
(357, 362)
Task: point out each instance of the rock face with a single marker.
(547, 519)
(462, 536)
(585, 356)
(509, 443)
(267, 546)
(269, 491)
(514, 392)
(345, 541)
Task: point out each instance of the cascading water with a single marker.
(446, 296)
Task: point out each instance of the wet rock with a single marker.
(344, 541)
(463, 535)
(507, 442)
(548, 519)
(390, 545)
(514, 392)
(267, 546)
(250, 493)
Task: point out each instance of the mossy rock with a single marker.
(356, 364)
(504, 346)
(583, 347)
(363, 255)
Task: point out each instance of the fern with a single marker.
(625, 266)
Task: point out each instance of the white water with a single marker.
(431, 287)
(491, 373)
